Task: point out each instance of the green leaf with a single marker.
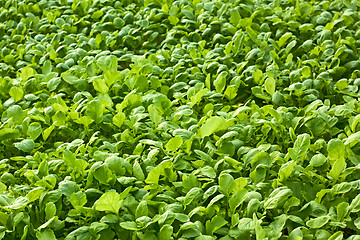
(257, 75)
(220, 82)
(138, 172)
(180, 120)
(50, 210)
(129, 225)
(237, 199)
(16, 93)
(214, 224)
(34, 130)
(277, 197)
(165, 233)
(192, 195)
(284, 38)
(215, 199)
(173, 20)
(26, 145)
(46, 133)
(19, 203)
(318, 222)
(97, 227)
(94, 110)
(342, 84)
(47, 234)
(107, 63)
(318, 160)
(226, 183)
(246, 224)
(231, 92)
(103, 174)
(9, 133)
(47, 67)
(336, 149)
(286, 170)
(270, 85)
(278, 225)
(155, 116)
(337, 167)
(154, 174)
(110, 202)
(26, 73)
(238, 41)
(301, 146)
(197, 97)
(239, 184)
(68, 187)
(337, 236)
(352, 139)
(188, 14)
(259, 93)
(252, 34)
(100, 85)
(259, 231)
(355, 204)
(78, 199)
(119, 119)
(174, 143)
(251, 54)
(357, 223)
(295, 234)
(212, 125)
(35, 193)
(69, 78)
(70, 159)
(97, 14)
(342, 210)
(354, 122)
(141, 209)
(53, 83)
(234, 16)
(111, 77)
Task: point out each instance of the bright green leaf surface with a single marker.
(179, 119)
(110, 201)
(212, 125)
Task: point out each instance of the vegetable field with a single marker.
(186, 119)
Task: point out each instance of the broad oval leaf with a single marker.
(109, 202)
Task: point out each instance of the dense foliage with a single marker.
(187, 119)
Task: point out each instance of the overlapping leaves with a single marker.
(179, 119)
